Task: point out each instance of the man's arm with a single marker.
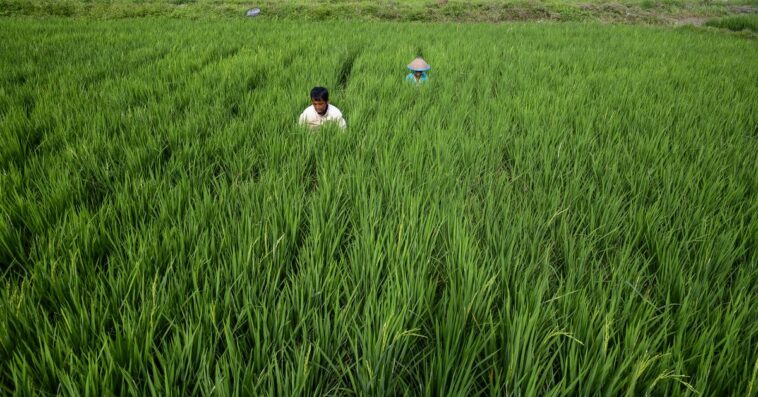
(303, 118)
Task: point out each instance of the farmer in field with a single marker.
(321, 111)
(418, 68)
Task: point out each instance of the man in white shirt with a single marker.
(320, 110)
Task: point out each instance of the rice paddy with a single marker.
(563, 209)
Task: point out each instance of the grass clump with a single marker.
(736, 23)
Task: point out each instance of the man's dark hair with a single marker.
(320, 94)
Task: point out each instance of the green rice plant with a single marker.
(736, 23)
(563, 209)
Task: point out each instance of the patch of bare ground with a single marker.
(694, 21)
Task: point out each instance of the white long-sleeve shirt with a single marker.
(311, 118)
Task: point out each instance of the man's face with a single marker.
(320, 105)
(417, 74)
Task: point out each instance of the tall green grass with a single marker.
(617, 11)
(563, 210)
(736, 23)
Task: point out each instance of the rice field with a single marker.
(563, 209)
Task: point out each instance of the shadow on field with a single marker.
(346, 69)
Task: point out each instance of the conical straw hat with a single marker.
(419, 65)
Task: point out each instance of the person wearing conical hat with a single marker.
(419, 69)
